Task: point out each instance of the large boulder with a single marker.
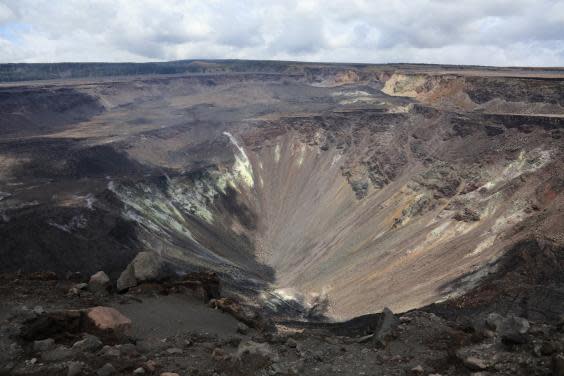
(145, 267)
(108, 320)
(127, 279)
(513, 330)
(386, 324)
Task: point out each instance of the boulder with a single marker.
(75, 369)
(146, 266)
(78, 288)
(386, 324)
(174, 351)
(106, 370)
(110, 351)
(127, 279)
(90, 343)
(151, 365)
(58, 354)
(44, 345)
(513, 329)
(99, 282)
(475, 358)
(474, 364)
(108, 319)
(252, 355)
(417, 370)
(242, 328)
(494, 320)
(128, 349)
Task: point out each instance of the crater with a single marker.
(328, 192)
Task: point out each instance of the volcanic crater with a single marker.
(360, 186)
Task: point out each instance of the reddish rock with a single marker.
(109, 319)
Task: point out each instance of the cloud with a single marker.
(486, 32)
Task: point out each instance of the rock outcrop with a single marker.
(146, 267)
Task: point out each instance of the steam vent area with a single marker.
(311, 194)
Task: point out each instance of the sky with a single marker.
(483, 32)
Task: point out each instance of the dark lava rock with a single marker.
(58, 354)
(513, 329)
(90, 343)
(99, 282)
(43, 345)
(75, 369)
(106, 370)
(388, 321)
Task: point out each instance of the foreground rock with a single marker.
(388, 321)
(252, 356)
(145, 267)
(99, 282)
(109, 319)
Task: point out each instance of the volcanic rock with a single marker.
(513, 329)
(242, 328)
(90, 343)
(107, 370)
(108, 319)
(44, 345)
(253, 355)
(494, 321)
(75, 368)
(387, 322)
(58, 354)
(99, 282)
(146, 266)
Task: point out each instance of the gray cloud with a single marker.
(487, 32)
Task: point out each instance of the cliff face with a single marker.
(369, 185)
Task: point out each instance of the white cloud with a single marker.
(487, 32)
(5, 14)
